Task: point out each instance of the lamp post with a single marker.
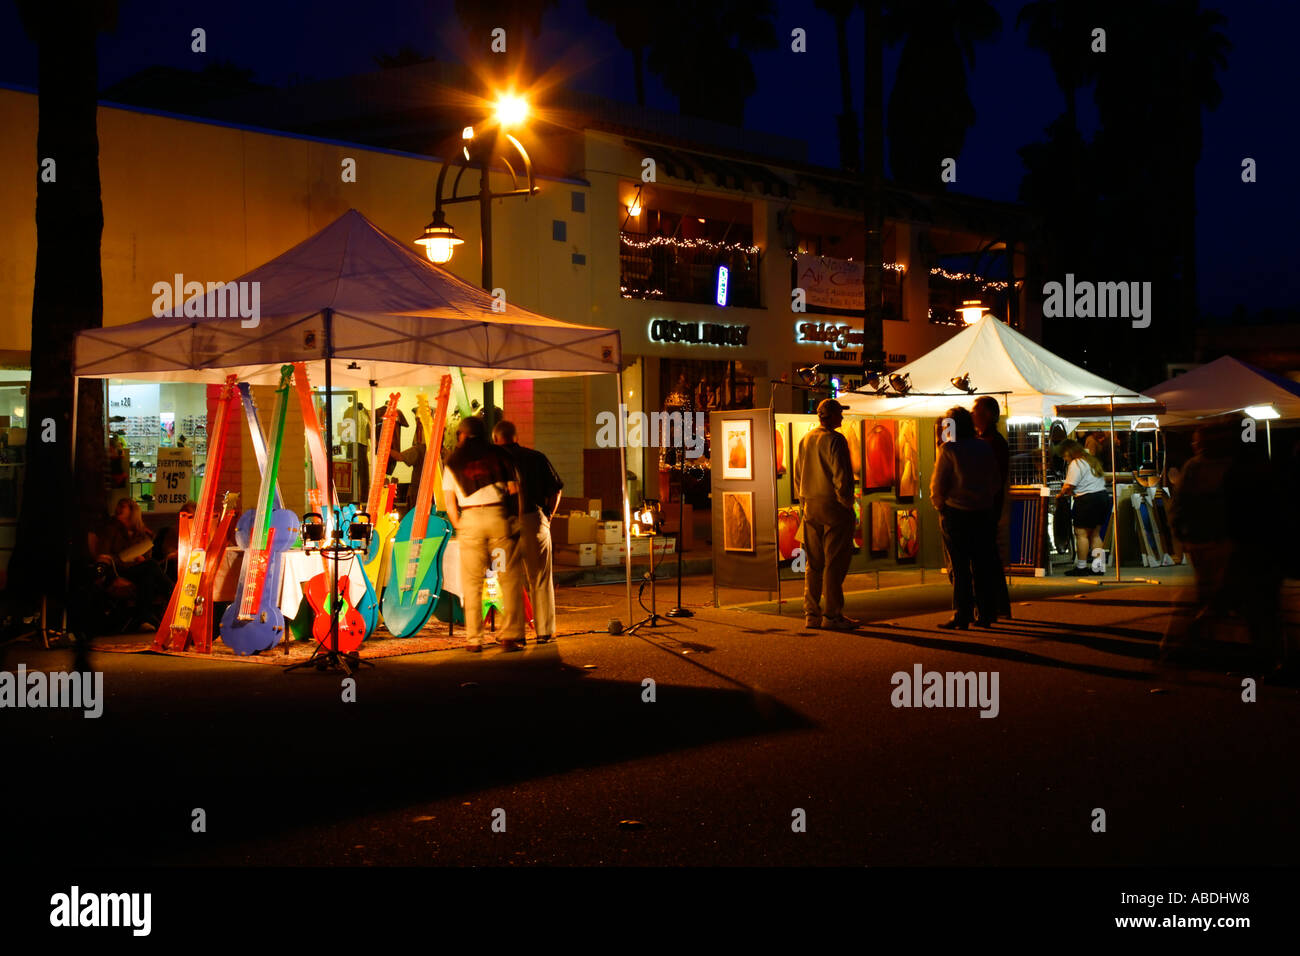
(479, 150)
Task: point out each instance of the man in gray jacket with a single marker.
(823, 483)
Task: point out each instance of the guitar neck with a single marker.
(255, 560)
(315, 443)
(202, 522)
(381, 457)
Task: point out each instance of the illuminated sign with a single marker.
(839, 336)
(698, 333)
(722, 285)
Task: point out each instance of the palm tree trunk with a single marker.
(848, 118)
(67, 298)
(873, 137)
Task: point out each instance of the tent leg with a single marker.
(1114, 492)
(372, 436)
(627, 506)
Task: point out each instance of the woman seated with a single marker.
(127, 545)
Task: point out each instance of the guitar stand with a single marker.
(323, 658)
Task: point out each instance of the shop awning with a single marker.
(1227, 385)
(998, 360)
(396, 319)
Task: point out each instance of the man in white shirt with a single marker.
(483, 505)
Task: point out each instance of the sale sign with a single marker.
(175, 469)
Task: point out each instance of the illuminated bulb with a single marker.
(635, 208)
(511, 110)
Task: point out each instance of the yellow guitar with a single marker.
(383, 519)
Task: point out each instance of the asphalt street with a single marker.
(754, 719)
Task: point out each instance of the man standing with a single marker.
(986, 413)
(823, 482)
(539, 487)
(961, 489)
(482, 498)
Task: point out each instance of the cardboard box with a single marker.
(609, 532)
(573, 529)
(612, 554)
(585, 505)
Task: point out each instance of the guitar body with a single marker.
(414, 574)
(352, 626)
(266, 629)
(381, 540)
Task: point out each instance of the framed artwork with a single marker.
(787, 531)
(882, 521)
(851, 429)
(343, 478)
(738, 521)
(878, 464)
(783, 464)
(909, 539)
(909, 478)
(738, 450)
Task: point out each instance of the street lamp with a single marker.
(480, 149)
(439, 239)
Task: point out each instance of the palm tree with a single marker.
(1063, 30)
(929, 109)
(634, 30)
(708, 67)
(839, 11)
(67, 298)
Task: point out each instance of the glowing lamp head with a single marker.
(439, 239)
(971, 310)
(511, 110)
(1262, 412)
(634, 207)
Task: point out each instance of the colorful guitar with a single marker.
(256, 435)
(383, 519)
(253, 621)
(188, 617)
(368, 605)
(415, 572)
(351, 630)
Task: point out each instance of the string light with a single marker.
(673, 243)
(996, 284)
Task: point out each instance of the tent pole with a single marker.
(1268, 436)
(327, 506)
(627, 507)
(371, 438)
(1114, 491)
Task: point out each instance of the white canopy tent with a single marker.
(1223, 386)
(1030, 380)
(360, 308)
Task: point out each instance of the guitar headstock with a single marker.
(425, 416)
(229, 502)
(228, 389)
(392, 404)
(286, 375)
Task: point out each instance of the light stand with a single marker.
(678, 611)
(648, 516)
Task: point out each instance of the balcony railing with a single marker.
(685, 270)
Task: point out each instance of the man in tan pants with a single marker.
(482, 502)
(539, 488)
(823, 483)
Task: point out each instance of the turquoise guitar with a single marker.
(415, 570)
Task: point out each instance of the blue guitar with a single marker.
(253, 622)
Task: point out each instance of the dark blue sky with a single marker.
(1245, 238)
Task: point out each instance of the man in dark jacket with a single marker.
(823, 483)
(539, 487)
(986, 413)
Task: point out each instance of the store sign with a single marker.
(839, 336)
(830, 355)
(175, 470)
(721, 297)
(830, 283)
(698, 333)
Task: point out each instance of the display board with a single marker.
(744, 499)
(175, 471)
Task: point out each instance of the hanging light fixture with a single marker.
(810, 375)
(439, 239)
(963, 383)
(634, 207)
(902, 384)
(971, 310)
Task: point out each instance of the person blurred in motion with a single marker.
(125, 544)
(962, 490)
(823, 484)
(1090, 508)
(986, 413)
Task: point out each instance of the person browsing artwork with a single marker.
(1091, 507)
(483, 504)
(823, 483)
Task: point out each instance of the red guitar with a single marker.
(318, 592)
